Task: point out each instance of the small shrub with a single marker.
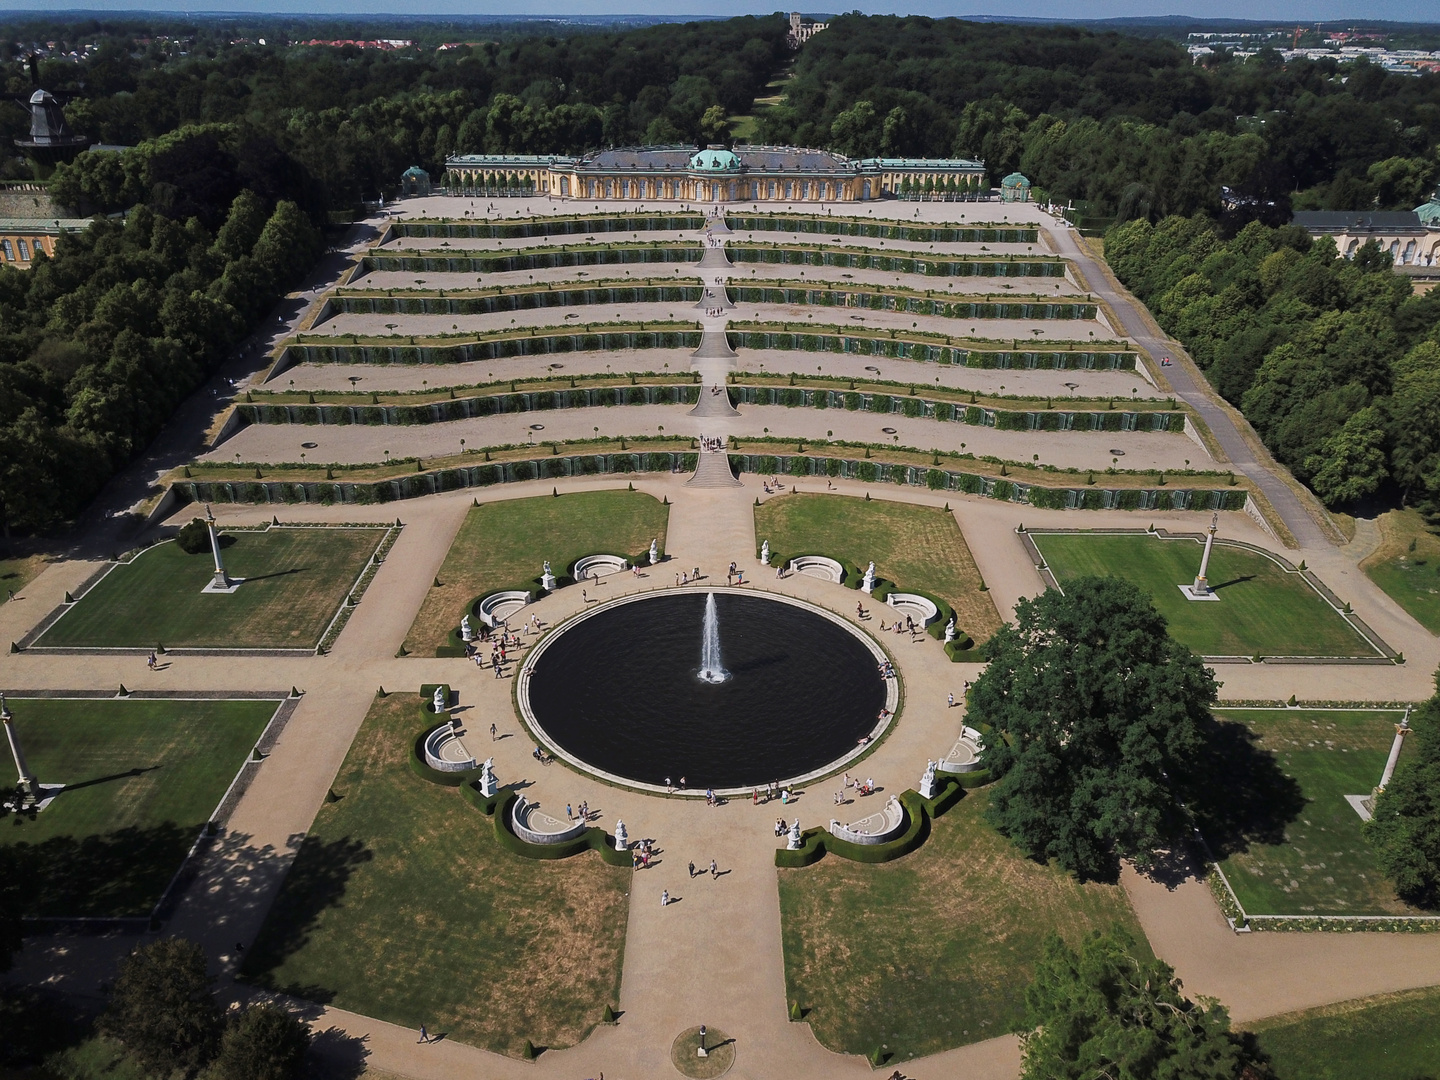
(194, 537)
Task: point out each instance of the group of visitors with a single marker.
(773, 790)
(711, 445)
(641, 854)
(683, 578)
(887, 669)
(734, 575)
(584, 812)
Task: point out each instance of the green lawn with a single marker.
(1324, 866)
(1262, 608)
(296, 579)
(144, 776)
(935, 949)
(1389, 1037)
(1407, 565)
(403, 906)
(502, 545)
(916, 547)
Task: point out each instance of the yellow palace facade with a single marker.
(716, 174)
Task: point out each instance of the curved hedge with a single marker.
(919, 812)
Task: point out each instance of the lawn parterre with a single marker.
(502, 545)
(916, 547)
(1324, 866)
(402, 905)
(295, 580)
(1263, 609)
(1407, 566)
(933, 950)
(1387, 1037)
(142, 776)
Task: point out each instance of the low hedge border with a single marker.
(816, 843)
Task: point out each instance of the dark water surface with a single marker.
(621, 691)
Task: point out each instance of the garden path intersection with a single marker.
(716, 956)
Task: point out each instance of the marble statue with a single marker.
(950, 630)
(868, 585)
(765, 553)
(927, 782)
(622, 838)
(441, 700)
(654, 552)
(487, 778)
(467, 632)
(794, 844)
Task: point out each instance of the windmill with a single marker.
(50, 139)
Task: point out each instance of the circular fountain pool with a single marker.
(619, 690)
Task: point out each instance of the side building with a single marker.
(716, 174)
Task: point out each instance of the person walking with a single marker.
(424, 1034)
(692, 871)
(664, 897)
(714, 871)
(952, 701)
(492, 732)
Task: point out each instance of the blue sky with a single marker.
(1280, 10)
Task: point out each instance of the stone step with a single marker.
(715, 259)
(713, 471)
(713, 404)
(714, 345)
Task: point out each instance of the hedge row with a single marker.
(462, 408)
(816, 843)
(974, 415)
(496, 348)
(531, 260)
(900, 348)
(501, 230)
(943, 307)
(433, 481)
(929, 265)
(519, 300)
(934, 234)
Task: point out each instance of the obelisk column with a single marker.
(29, 785)
(222, 579)
(1201, 586)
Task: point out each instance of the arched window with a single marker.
(24, 251)
(8, 249)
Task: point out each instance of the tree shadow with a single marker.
(316, 882)
(109, 875)
(336, 1055)
(1241, 795)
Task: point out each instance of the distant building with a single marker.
(1015, 188)
(1411, 239)
(415, 181)
(803, 28)
(716, 174)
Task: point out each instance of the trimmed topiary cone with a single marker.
(529, 1053)
(607, 1015)
(877, 1057)
(796, 1013)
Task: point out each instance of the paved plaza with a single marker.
(716, 957)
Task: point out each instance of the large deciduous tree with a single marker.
(1405, 829)
(1100, 1011)
(262, 1043)
(1099, 718)
(162, 1009)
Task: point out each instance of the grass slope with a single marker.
(403, 906)
(15, 574)
(1262, 608)
(502, 545)
(144, 777)
(1324, 866)
(917, 547)
(933, 950)
(1388, 1037)
(1407, 566)
(296, 579)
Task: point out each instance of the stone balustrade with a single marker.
(597, 566)
(817, 566)
(921, 608)
(497, 607)
(878, 828)
(444, 752)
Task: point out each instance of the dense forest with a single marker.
(1333, 361)
(355, 119)
(1126, 126)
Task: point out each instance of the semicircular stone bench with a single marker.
(497, 607)
(884, 825)
(921, 608)
(818, 566)
(597, 566)
(444, 752)
(964, 756)
(536, 827)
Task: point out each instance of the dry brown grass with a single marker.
(502, 545)
(403, 906)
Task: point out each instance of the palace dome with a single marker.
(715, 158)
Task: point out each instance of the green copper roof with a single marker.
(1429, 213)
(1015, 179)
(715, 158)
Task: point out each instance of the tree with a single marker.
(262, 1043)
(1351, 463)
(161, 1007)
(1101, 1012)
(1100, 720)
(853, 131)
(1405, 829)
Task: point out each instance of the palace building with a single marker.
(716, 174)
